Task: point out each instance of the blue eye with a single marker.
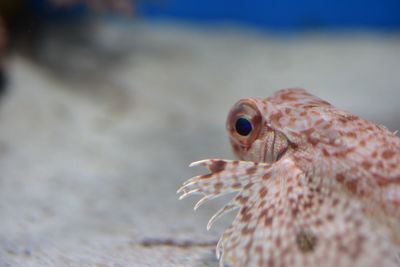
(243, 126)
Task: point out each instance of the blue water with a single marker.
(289, 15)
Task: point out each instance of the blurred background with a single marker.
(104, 103)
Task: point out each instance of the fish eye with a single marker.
(243, 126)
(244, 122)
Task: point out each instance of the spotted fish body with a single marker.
(316, 186)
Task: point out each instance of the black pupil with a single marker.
(243, 126)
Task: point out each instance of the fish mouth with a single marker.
(276, 146)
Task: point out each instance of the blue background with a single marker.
(268, 14)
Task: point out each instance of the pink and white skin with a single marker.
(315, 186)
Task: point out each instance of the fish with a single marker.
(314, 185)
